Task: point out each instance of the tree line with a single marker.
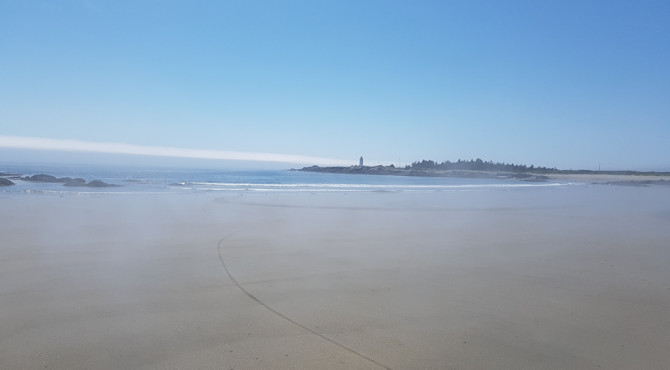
(478, 165)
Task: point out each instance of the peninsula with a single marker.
(487, 169)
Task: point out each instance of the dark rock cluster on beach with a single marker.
(68, 181)
(4, 181)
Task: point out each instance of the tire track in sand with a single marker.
(281, 315)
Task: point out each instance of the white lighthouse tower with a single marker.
(360, 162)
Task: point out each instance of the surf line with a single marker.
(257, 300)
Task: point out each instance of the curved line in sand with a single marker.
(257, 300)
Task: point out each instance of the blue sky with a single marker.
(567, 84)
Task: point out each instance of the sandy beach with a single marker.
(605, 178)
(545, 278)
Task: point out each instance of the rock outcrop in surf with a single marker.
(68, 181)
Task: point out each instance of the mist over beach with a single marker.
(565, 276)
(334, 185)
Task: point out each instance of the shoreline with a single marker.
(623, 178)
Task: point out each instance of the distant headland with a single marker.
(478, 168)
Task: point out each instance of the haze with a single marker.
(181, 269)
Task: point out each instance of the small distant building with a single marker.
(360, 162)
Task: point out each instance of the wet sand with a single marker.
(605, 178)
(549, 278)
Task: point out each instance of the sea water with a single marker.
(162, 180)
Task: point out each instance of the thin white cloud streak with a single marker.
(38, 143)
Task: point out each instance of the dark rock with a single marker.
(99, 184)
(78, 182)
(42, 178)
(5, 182)
(68, 181)
(74, 182)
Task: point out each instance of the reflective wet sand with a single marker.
(573, 277)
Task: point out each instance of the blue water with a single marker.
(164, 180)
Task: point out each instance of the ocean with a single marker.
(144, 180)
